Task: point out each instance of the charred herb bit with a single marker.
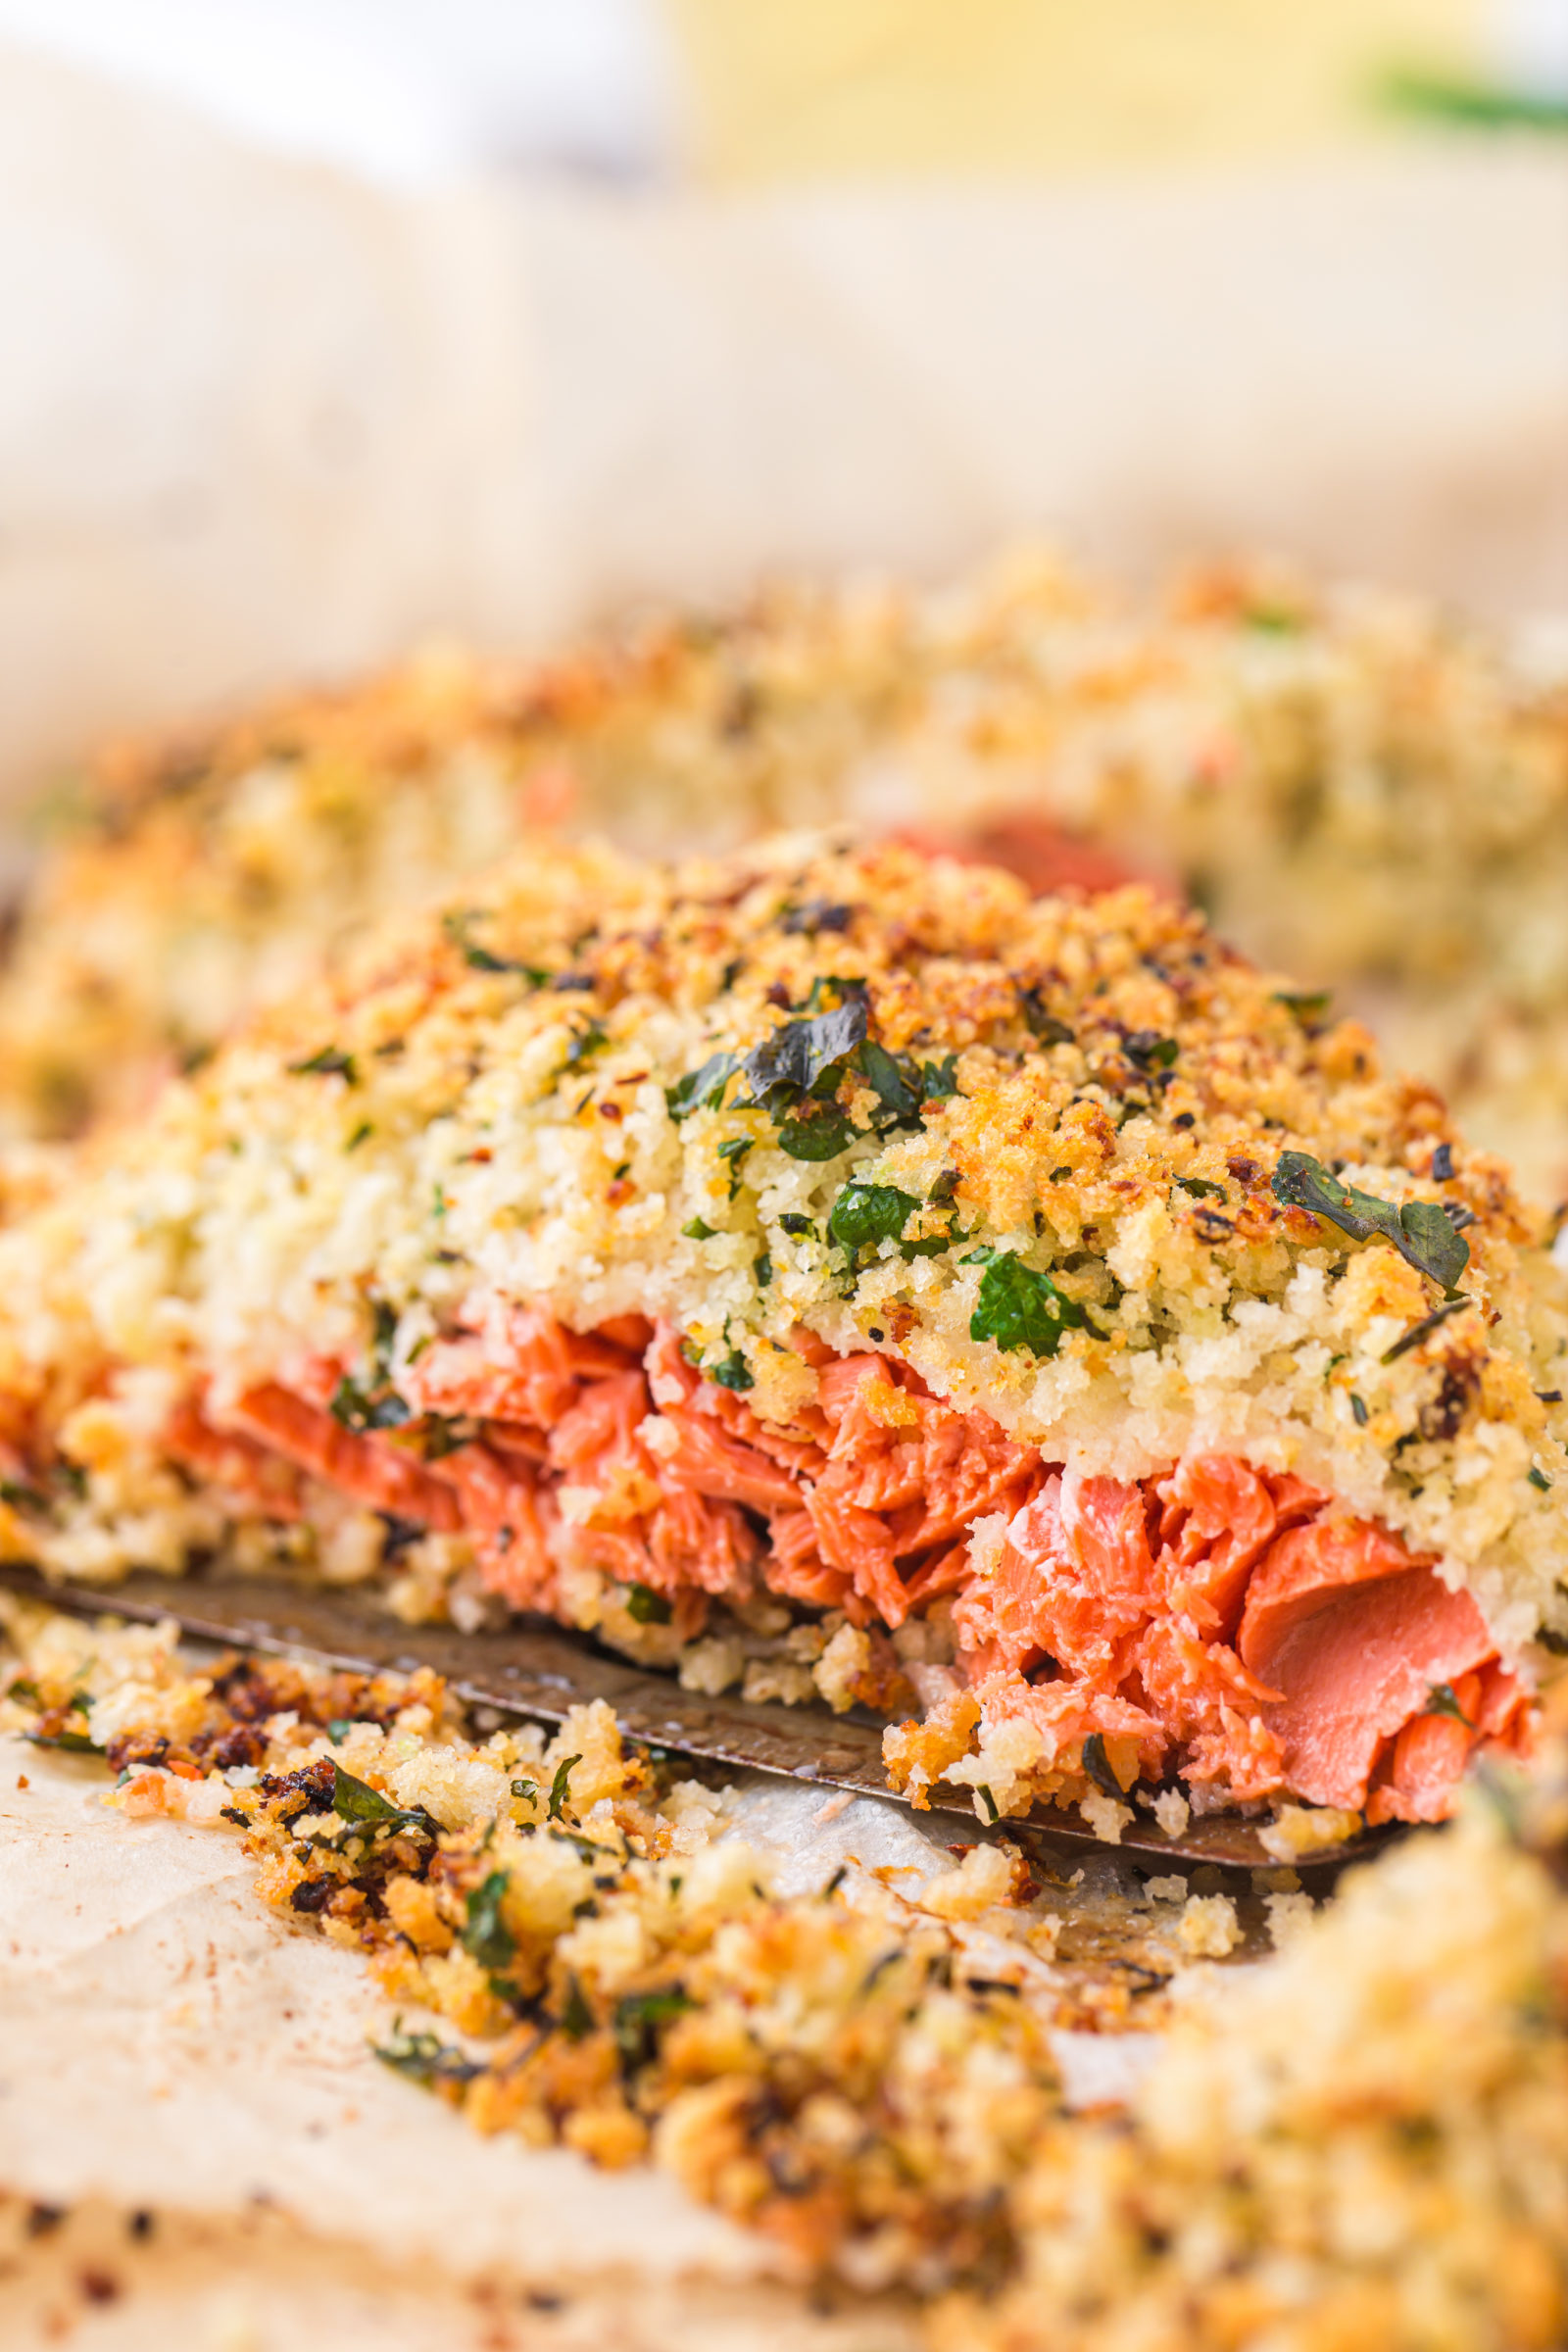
(1202, 1188)
(865, 1215)
(423, 2058)
(800, 1055)
(1440, 1701)
(329, 1061)
(1442, 1165)
(560, 1787)
(732, 1371)
(702, 1089)
(821, 1138)
(763, 1270)
(694, 1229)
(1421, 1231)
(637, 2018)
(645, 1606)
(365, 1808)
(1425, 1328)
(1359, 1408)
(735, 1152)
(1538, 1479)
(1041, 1025)
(1019, 1307)
(1097, 1767)
(797, 1227)
(486, 1936)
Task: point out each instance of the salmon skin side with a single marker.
(1218, 1623)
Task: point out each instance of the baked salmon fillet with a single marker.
(832, 1271)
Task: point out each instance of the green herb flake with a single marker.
(1149, 1051)
(560, 1787)
(763, 1270)
(1309, 1005)
(23, 1692)
(1040, 1024)
(1059, 1175)
(823, 1137)
(802, 1056)
(1202, 1188)
(1538, 1479)
(694, 1229)
(486, 1936)
(1424, 1329)
(702, 1089)
(576, 2019)
(72, 1744)
(1359, 1408)
(993, 1810)
(1019, 1307)
(329, 1061)
(1440, 1701)
(865, 1215)
(939, 1079)
(797, 1227)
(638, 2017)
(365, 1808)
(735, 1152)
(361, 1135)
(1420, 1230)
(731, 1371)
(528, 1790)
(356, 1409)
(584, 1044)
(894, 1080)
(423, 2058)
(482, 960)
(645, 1606)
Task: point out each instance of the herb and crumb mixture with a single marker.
(834, 1247)
(1352, 785)
(1360, 2139)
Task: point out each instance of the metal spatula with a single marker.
(537, 1669)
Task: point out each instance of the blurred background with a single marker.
(333, 323)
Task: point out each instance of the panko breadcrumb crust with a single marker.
(1352, 784)
(1363, 2139)
(500, 1104)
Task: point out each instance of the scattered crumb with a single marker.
(1104, 1816)
(1300, 1830)
(1287, 1915)
(1210, 1928)
(1172, 1812)
(1167, 1891)
(983, 1878)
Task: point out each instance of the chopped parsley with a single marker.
(365, 1808)
(763, 1270)
(701, 1089)
(424, 2059)
(561, 1786)
(802, 1056)
(482, 960)
(821, 1138)
(1039, 1023)
(797, 1227)
(1538, 1478)
(1359, 1408)
(637, 2017)
(735, 1152)
(486, 1936)
(1202, 1188)
(1019, 1307)
(694, 1229)
(1440, 1701)
(645, 1606)
(358, 1409)
(1424, 1329)
(329, 1061)
(993, 1813)
(865, 1215)
(1149, 1051)
(732, 1371)
(1421, 1231)
(1309, 1005)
